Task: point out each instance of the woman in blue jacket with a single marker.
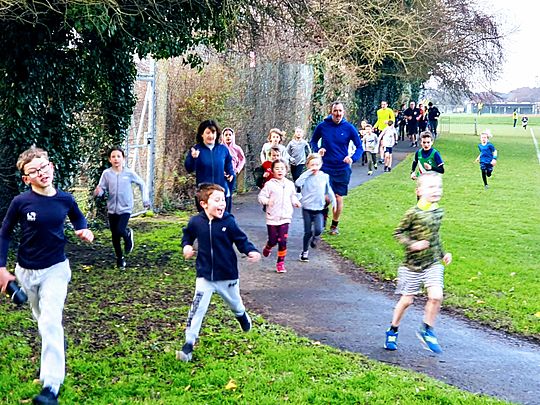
(210, 160)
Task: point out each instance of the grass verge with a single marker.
(493, 234)
(123, 328)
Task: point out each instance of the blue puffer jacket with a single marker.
(211, 165)
(216, 257)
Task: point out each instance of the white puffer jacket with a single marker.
(279, 197)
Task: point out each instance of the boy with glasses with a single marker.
(42, 268)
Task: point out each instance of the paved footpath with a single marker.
(331, 301)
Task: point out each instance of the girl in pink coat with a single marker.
(279, 196)
(238, 160)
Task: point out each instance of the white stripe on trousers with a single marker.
(229, 290)
(47, 290)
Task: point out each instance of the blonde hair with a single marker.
(428, 176)
(28, 155)
(313, 156)
(276, 131)
(486, 132)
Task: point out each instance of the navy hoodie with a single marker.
(211, 165)
(335, 139)
(216, 257)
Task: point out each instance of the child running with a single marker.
(419, 233)
(275, 140)
(427, 158)
(116, 182)
(388, 139)
(42, 268)
(217, 269)
(371, 145)
(279, 196)
(315, 186)
(487, 157)
(298, 149)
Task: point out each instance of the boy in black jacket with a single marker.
(217, 268)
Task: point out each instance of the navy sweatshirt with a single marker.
(211, 165)
(335, 139)
(42, 228)
(216, 257)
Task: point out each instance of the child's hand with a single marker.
(5, 278)
(347, 160)
(253, 257)
(427, 166)
(188, 252)
(493, 162)
(297, 204)
(419, 245)
(413, 176)
(447, 259)
(266, 174)
(477, 159)
(228, 177)
(322, 151)
(195, 153)
(85, 235)
(98, 191)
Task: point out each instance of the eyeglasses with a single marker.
(44, 168)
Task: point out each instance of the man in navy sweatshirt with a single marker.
(42, 268)
(335, 134)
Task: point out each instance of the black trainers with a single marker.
(186, 353)
(244, 321)
(47, 397)
(120, 263)
(304, 257)
(128, 241)
(313, 242)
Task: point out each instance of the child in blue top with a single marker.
(116, 182)
(42, 268)
(487, 157)
(315, 186)
(217, 270)
(210, 160)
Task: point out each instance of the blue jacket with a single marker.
(336, 139)
(211, 165)
(216, 257)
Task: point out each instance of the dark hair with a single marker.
(390, 123)
(426, 134)
(336, 103)
(116, 148)
(275, 162)
(430, 104)
(204, 190)
(207, 124)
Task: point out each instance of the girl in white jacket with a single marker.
(279, 196)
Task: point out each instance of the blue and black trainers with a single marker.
(429, 340)
(391, 340)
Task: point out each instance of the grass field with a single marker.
(123, 328)
(494, 234)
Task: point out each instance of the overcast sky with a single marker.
(522, 67)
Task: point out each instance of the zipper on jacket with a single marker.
(211, 251)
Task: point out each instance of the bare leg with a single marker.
(404, 302)
(339, 207)
(433, 305)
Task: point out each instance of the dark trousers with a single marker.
(313, 226)
(232, 187)
(118, 225)
(277, 235)
(296, 171)
(433, 127)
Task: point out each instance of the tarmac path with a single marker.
(331, 300)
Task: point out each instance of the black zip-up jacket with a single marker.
(216, 257)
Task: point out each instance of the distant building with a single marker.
(505, 107)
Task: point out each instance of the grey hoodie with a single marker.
(118, 186)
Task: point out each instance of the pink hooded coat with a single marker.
(237, 154)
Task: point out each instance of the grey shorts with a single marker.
(411, 282)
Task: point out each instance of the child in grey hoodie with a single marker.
(116, 182)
